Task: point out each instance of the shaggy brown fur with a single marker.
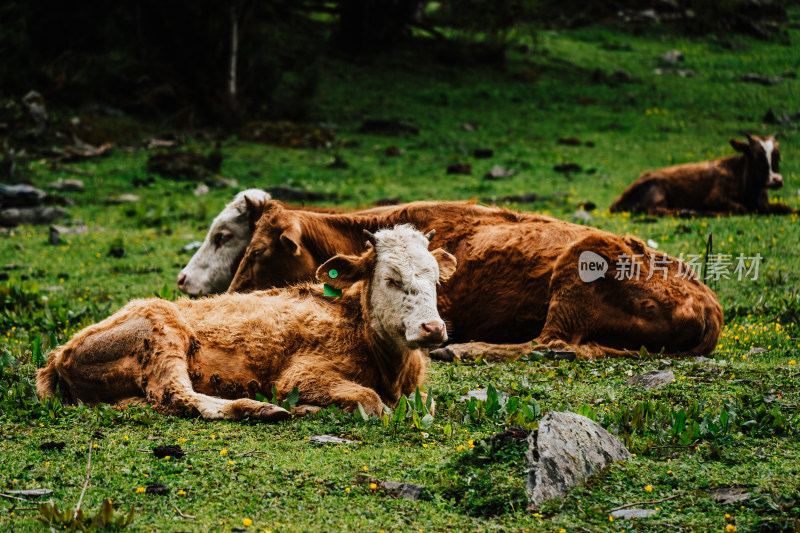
(517, 278)
(212, 356)
(735, 184)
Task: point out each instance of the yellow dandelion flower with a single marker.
(181, 440)
(460, 448)
(247, 522)
(223, 451)
(792, 362)
(373, 486)
(347, 489)
(365, 468)
(648, 488)
(610, 518)
(139, 489)
(182, 492)
(730, 528)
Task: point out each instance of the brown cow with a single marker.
(734, 184)
(518, 278)
(211, 356)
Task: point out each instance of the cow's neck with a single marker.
(747, 191)
(392, 362)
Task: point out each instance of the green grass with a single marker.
(291, 485)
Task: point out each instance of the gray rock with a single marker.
(192, 246)
(330, 439)
(30, 215)
(31, 493)
(566, 450)
(57, 231)
(652, 379)
(497, 173)
(21, 195)
(409, 491)
(72, 185)
(672, 57)
(682, 72)
(730, 495)
(201, 190)
(582, 215)
(122, 199)
(34, 103)
(479, 394)
(633, 513)
(756, 350)
(761, 80)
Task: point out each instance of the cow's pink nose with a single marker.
(433, 330)
(181, 279)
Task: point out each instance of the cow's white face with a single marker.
(211, 268)
(403, 276)
(772, 157)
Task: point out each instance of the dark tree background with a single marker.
(173, 59)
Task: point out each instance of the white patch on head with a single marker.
(210, 270)
(403, 301)
(774, 180)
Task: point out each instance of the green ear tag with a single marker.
(333, 273)
(327, 290)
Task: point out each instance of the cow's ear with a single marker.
(290, 238)
(341, 271)
(740, 146)
(447, 264)
(254, 207)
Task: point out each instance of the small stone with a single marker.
(123, 199)
(672, 57)
(582, 216)
(652, 379)
(171, 450)
(757, 350)
(633, 513)
(409, 491)
(497, 172)
(468, 127)
(21, 195)
(330, 439)
(479, 394)
(730, 495)
(459, 168)
(30, 215)
(68, 185)
(761, 80)
(157, 488)
(567, 450)
(568, 168)
(393, 151)
(201, 190)
(30, 493)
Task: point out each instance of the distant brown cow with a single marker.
(518, 278)
(212, 356)
(734, 184)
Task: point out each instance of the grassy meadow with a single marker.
(731, 421)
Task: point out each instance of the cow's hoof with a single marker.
(303, 410)
(443, 354)
(271, 413)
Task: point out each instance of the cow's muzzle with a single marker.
(430, 334)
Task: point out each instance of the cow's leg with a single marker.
(615, 317)
(491, 352)
(319, 384)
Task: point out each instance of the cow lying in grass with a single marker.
(736, 184)
(518, 279)
(211, 356)
(211, 268)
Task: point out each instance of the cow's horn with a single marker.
(430, 235)
(370, 237)
(749, 137)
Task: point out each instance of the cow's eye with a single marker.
(394, 284)
(222, 237)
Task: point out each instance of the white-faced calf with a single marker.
(735, 184)
(209, 269)
(213, 355)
